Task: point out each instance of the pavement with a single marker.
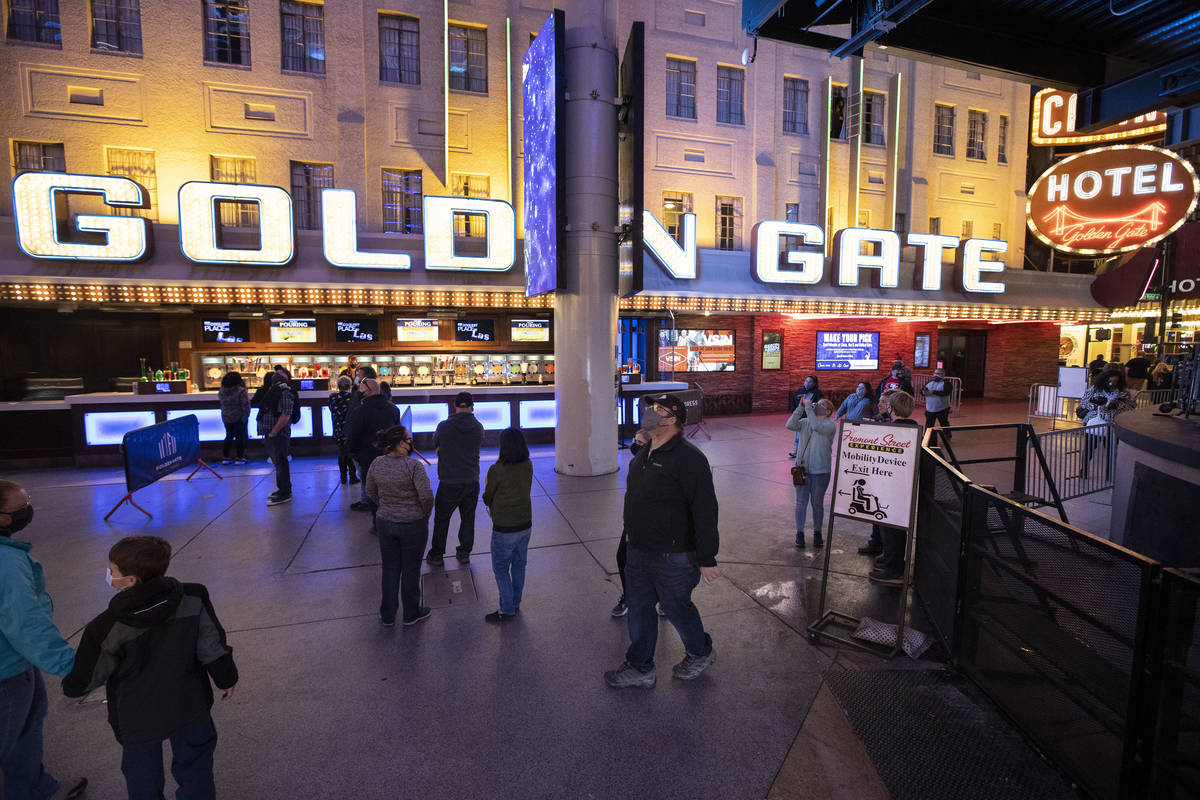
(331, 704)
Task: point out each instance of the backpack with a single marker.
(295, 420)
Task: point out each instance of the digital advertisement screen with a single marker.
(416, 330)
(356, 330)
(475, 330)
(531, 330)
(847, 350)
(772, 352)
(693, 350)
(543, 90)
(294, 330)
(226, 330)
(631, 161)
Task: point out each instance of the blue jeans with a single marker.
(666, 578)
(451, 496)
(401, 544)
(508, 562)
(191, 764)
(811, 493)
(277, 448)
(22, 710)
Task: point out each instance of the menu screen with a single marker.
(687, 350)
(294, 330)
(357, 330)
(416, 330)
(226, 330)
(476, 330)
(531, 330)
(847, 350)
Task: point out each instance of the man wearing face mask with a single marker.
(671, 528)
(29, 644)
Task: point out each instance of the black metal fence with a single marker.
(1093, 651)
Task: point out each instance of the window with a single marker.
(34, 21)
(729, 223)
(227, 31)
(302, 34)
(864, 218)
(996, 230)
(468, 59)
(873, 110)
(399, 49)
(943, 130)
(307, 182)
(403, 208)
(795, 105)
(117, 25)
(935, 225)
(39, 157)
(977, 135)
(226, 169)
(902, 228)
(731, 84)
(792, 213)
(470, 226)
(1002, 136)
(681, 88)
(137, 165)
(694, 18)
(837, 113)
(675, 204)
(968, 228)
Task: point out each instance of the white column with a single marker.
(585, 309)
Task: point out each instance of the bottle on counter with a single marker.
(158, 374)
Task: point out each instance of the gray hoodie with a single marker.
(457, 440)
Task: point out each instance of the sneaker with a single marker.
(70, 789)
(463, 558)
(818, 542)
(620, 609)
(433, 559)
(354, 479)
(422, 614)
(879, 561)
(870, 550)
(886, 578)
(626, 676)
(692, 666)
(359, 505)
(239, 461)
(799, 541)
(498, 617)
(658, 608)
(275, 500)
(225, 462)
(387, 624)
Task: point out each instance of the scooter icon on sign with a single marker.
(862, 502)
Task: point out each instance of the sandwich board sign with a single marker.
(876, 472)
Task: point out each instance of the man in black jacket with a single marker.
(457, 441)
(671, 526)
(375, 413)
(155, 650)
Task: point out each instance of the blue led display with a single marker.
(495, 415)
(538, 413)
(543, 90)
(110, 427)
(426, 416)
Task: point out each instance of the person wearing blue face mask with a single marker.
(857, 405)
(29, 645)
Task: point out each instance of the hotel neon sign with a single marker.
(127, 238)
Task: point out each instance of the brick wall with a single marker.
(1018, 355)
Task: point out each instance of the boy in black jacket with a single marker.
(155, 648)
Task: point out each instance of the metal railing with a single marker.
(1079, 460)
(919, 379)
(1046, 403)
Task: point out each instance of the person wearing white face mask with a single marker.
(29, 645)
(815, 431)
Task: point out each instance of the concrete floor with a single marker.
(331, 704)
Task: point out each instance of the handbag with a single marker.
(798, 476)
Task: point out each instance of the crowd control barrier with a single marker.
(156, 451)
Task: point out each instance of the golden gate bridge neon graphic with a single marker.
(1067, 224)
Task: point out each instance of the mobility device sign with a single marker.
(876, 472)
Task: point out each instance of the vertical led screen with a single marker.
(631, 123)
(543, 93)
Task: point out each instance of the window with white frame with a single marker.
(302, 36)
(470, 226)
(943, 130)
(729, 223)
(231, 169)
(674, 206)
(681, 88)
(227, 31)
(117, 25)
(34, 21)
(399, 49)
(468, 59)
(1002, 143)
(977, 135)
(307, 182)
(731, 90)
(874, 105)
(403, 204)
(138, 166)
(795, 105)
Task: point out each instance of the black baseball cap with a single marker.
(463, 400)
(672, 403)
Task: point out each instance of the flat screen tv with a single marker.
(357, 330)
(848, 350)
(695, 350)
(543, 91)
(226, 330)
(294, 330)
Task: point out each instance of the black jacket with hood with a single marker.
(154, 649)
(458, 440)
(374, 414)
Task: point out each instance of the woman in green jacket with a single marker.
(506, 496)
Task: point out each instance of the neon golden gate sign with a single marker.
(126, 238)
